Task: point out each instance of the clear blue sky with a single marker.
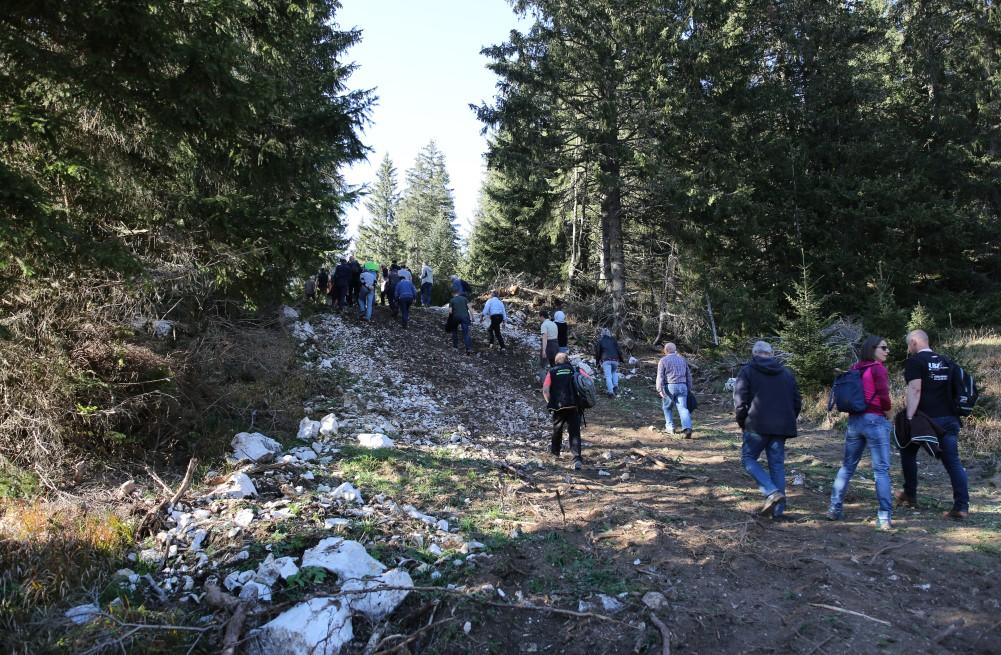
(422, 58)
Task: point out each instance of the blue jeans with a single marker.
(405, 309)
(365, 303)
(426, 294)
(950, 460)
(775, 451)
(872, 430)
(610, 368)
(676, 395)
(466, 339)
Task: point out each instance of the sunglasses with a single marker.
(886, 348)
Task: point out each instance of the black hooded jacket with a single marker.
(766, 398)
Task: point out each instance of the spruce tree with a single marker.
(921, 319)
(427, 214)
(378, 237)
(802, 336)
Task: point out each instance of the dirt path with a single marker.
(678, 517)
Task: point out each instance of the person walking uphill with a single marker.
(562, 330)
(550, 346)
(608, 355)
(767, 402)
(427, 282)
(341, 283)
(871, 429)
(496, 313)
(459, 310)
(405, 293)
(560, 392)
(366, 294)
(674, 381)
(929, 391)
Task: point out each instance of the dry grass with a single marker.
(52, 555)
(981, 351)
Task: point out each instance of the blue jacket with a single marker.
(405, 290)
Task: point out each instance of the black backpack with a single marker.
(964, 390)
(847, 393)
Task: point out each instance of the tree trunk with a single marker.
(611, 238)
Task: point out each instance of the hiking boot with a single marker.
(615, 389)
(469, 352)
(688, 433)
(835, 515)
(771, 501)
(907, 501)
(610, 394)
(884, 524)
(955, 514)
(578, 464)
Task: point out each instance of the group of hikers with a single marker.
(767, 404)
(766, 396)
(353, 283)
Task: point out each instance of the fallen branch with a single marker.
(556, 610)
(665, 634)
(820, 645)
(504, 466)
(889, 548)
(151, 516)
(411, 638)
(834, 608)
(562, 511)
(234, 628)
(949, 629)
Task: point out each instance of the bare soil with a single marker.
(680, 517)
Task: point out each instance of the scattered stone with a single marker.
(263, 593)
(378, 604)
(290, 312)
(329, 425)
(308, 475)
(603, 473)
(336, 523)
(163, 329)
(347, 493)
(244, 517)
(149, 556)
(304, 453)
(126, 489)
(467, 627)
(610, 604)
(238, 485)
(271, 569)
(320, 626)
(255, 447)
(375, 440)
(83, 613)
(655, 600)
(308, 429)
(348, 559)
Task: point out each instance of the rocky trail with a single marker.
(417, 511)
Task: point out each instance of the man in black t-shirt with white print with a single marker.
(929, 390)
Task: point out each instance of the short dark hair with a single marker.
(868, 350)
(544, 314)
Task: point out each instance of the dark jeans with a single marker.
(354, 291)
(950, 460)
(552, 349)
(426, 294)
(405, 309)
(466, 339)
(495, 324)
(569, 418)
(341, 293)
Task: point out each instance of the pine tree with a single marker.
(802, 335)
(378, 237)
(921, 319)
(427, 214)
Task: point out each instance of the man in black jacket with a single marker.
(767, 403)
(560, 394)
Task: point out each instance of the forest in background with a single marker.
(689, 159)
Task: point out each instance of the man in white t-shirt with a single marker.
(550, 344)
(427, 281)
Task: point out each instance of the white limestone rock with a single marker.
(82, 614)
(377, 605)
(375, 440)
(244, 517)
(348, 559)
(320, 626)
(329, 425)
(304, 453)
(308, 429)
(255, 447)
(238, 485)
(347, 493)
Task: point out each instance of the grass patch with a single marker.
(434, 479)
(584, 571)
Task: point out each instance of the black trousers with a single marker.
(569, 418)
(495, 324)
(552, 349)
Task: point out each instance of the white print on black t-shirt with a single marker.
(934, 373)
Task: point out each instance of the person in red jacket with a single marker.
(869, 428)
